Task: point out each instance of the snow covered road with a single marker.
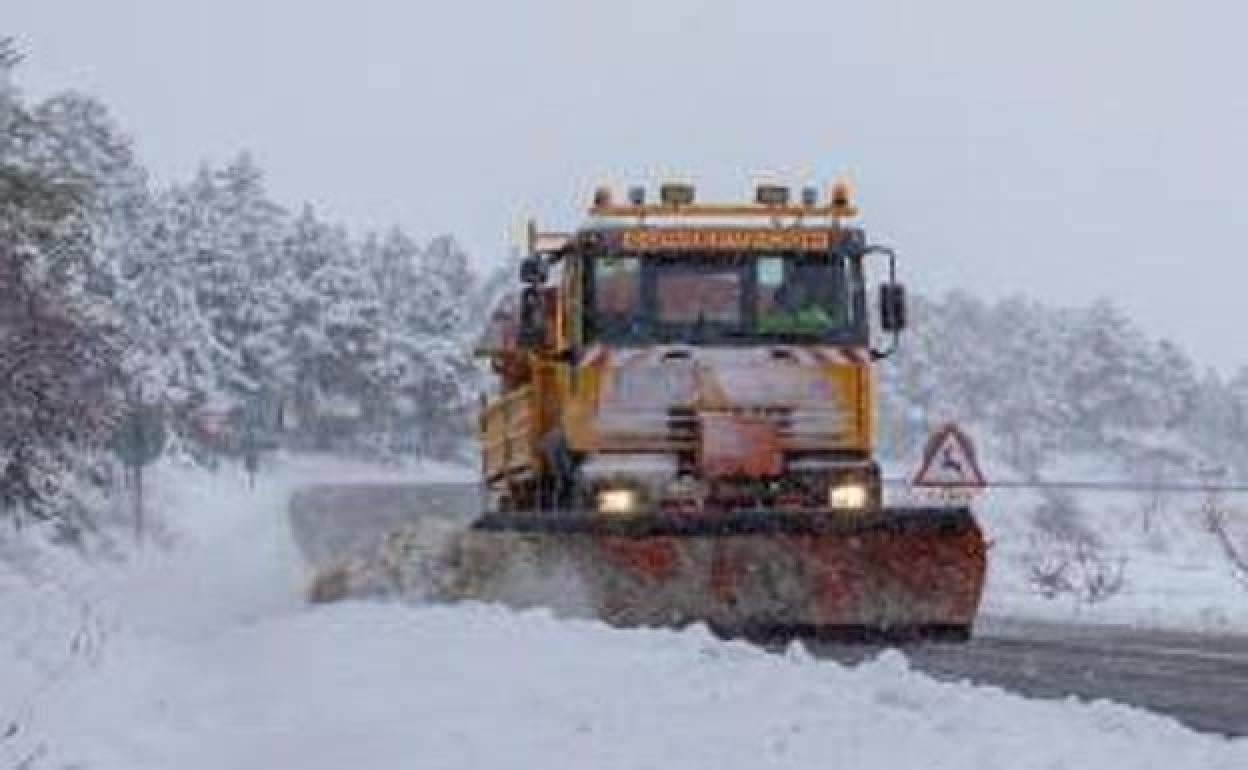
(206, 657)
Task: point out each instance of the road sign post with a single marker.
(255, 437)
(139, 441)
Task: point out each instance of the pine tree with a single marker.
(434, 343)
(251, 228)
(341, 382)
(230, 235)
(59, 354)
(211, 282)
(329, 328)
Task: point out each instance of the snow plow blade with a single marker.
(898, 573)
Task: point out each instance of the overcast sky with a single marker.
(1066, 149)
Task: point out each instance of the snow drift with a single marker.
(364, 685)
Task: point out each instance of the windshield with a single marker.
(723, 298)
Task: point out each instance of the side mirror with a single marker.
(532, 320)
(892, 307)
(533, 271)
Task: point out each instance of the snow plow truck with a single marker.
(681, 431)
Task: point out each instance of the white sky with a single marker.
(1065, 149)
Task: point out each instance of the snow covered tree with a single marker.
(428, 350)
(1106, 368)
(228, 234)
(312, 243)
(333, 330)
(78, 135)
(188, 250)
(1028, 408)
(246, 306)
(59, 349)
(447, 282)
(351, 385)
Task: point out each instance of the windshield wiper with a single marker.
(698, 332)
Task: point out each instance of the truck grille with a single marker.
(797, 428)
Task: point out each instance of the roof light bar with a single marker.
(676, 194)
(771, 201)
(772, 195)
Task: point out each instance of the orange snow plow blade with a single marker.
(895, 572)
(902, 572)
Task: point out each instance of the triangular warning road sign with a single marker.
(949, 461)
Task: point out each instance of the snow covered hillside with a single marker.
(205, 656)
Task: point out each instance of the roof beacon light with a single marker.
(602, 196)
(772, 195)
(841, 195)
(810, 197)
(637, 195)
(676, 194)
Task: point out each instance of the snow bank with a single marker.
(377, 686)
(224, 558)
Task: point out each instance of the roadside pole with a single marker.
(256, 438)
(139, 441)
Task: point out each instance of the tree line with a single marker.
(1043, 384)
(233, 316)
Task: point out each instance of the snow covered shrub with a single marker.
(1048, 569)
(1100, 575)
(1230, 529)
(1083, 571)
(1066, 558)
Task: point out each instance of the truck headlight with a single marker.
(617, 500)
(848, 495)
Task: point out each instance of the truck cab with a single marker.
(690, 359)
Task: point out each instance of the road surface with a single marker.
(1201, 680)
